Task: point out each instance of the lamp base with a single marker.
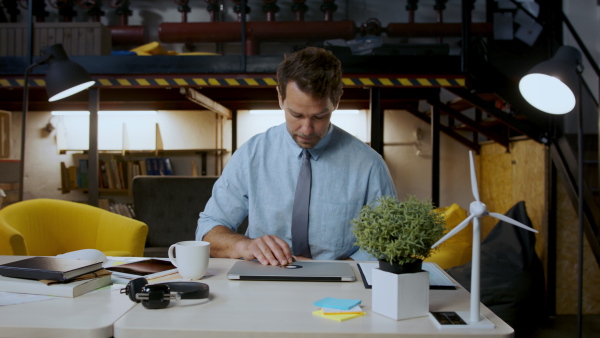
(449, 320)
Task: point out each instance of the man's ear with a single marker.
(279, 98)
(338, 103)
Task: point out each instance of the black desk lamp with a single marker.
(550, 86)
(554, 87)
(64, 78)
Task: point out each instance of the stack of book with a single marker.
(53, 276)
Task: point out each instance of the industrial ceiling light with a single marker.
(552, 86)
(64, 78)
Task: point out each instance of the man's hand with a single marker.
(268, 249)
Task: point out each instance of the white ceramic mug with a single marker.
(191, 258)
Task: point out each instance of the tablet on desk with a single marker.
(308, 271)
(437, 279)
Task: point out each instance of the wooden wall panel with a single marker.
(567, 262)
(506, 178)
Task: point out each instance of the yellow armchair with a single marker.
(457, 249)
(48, 227)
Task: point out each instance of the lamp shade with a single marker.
(551, 86)
(64, 77)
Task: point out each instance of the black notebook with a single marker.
(54, 268)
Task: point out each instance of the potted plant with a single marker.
(400, 235)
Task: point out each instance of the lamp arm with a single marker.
(24, 120)
(582, 46)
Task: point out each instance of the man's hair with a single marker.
(316, 71)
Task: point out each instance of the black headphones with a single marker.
(158, 296)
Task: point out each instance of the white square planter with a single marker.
(400, 296)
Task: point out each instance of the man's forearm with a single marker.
(224, 242)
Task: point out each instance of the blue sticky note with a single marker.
(336, 303)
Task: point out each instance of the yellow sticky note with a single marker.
(330, 311)
(339, 318)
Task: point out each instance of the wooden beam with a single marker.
(206, 102)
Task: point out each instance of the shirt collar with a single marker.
(317, 150)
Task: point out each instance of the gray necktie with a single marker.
(300, 212)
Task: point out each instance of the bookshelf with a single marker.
(123, 166)
(125, 155)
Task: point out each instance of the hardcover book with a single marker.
(54, 268)
(69, 289)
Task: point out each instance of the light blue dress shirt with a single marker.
(259, 181)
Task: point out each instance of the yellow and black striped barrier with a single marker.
(223, 81)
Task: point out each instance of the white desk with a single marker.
(89, 315)
(284, 309)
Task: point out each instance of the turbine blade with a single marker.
(453, 232)
(473, 178)
(511, 221)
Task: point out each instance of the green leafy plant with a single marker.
(398, 232)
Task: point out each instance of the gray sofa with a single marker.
(170, 206)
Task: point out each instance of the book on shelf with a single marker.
(164, 166)
(152, 166)
(143, 168)
(83, 174)
(122, 209)
(105, 181)
(54, 268)
(104, 203)
(64, 178)
(72, 174)
(67, 289)
(129, 173)
(114, 169)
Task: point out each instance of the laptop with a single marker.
(307, 271)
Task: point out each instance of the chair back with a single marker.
(50, 227)
(170, 206)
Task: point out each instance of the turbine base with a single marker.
(449, 320)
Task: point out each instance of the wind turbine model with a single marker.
(477, 210)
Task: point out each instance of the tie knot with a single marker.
(305, 154)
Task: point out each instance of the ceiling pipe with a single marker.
(263, 31)
(270, 8)
(213, 9)
(127, 35)
(183, 8)
(256, 32)
(39, 10)
(123, 34)
(65, 10)
(299, 8)
(411, 7)
(93, 8)
(328, 7)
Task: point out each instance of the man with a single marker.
(261, 177)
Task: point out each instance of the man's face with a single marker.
(307, 119)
